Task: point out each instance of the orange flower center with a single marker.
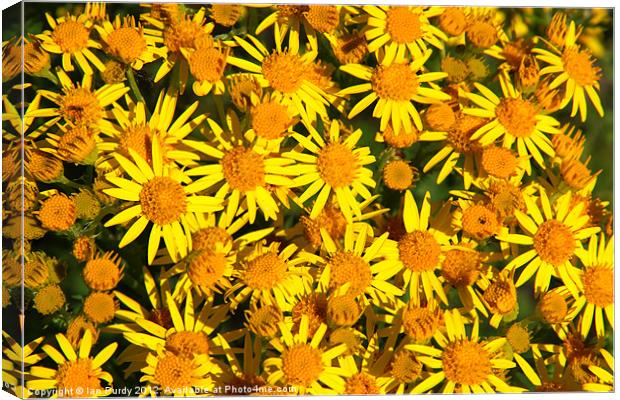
(459, 135)
(57, 213)
(453, 21)
(466, 362)
(480, 222)
(598, 285)
(323, 18)
(501, 296)
(343, 310)
(402, 140)
(337, 165)
(579, 66)
(440, 117)
(71, 36)
(398, 175)
(302, 365)
(284, 71)
(187, 344)
(265, 271)
(553, 308)
(103, 273)
(331, 219)
(505, 198)
(270, 120)
(49, 299)
(100, 307)
(206, 268)
(346, 267)
(519, 338)
(207, 64)
(163, 200)
(404, 25)
(395, 82)
(126, 43)
(517, 116)
(174, 372)
(499, 162)
(80, 106)
(361, 383)
(185, 33)
(554, 242)
(482, 34)
(264, 320)
(78, 378)
(244, 169)
(419, 251)
(206, 238)
(421, 323)
(461, 268)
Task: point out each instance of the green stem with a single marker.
(134, 87)
(63, 180)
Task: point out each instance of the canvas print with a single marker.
(302, 199)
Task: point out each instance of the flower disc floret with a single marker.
(395, 82)
(163, 200)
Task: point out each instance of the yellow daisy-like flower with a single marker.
(353, 269)
(463, 361)
(270, 275)
(558, 308)
(515, 118)
(304, 363)
(402, 29)
(247, 176)
(458, 142)
(467, 269)
(593, 285)
(186, 335)
(335, 166)
(271, 121)
(180, 32)
(128, 42)
(177, 375)
(500, 297)
(70, 36)
(79, 103)
(206, 65)
(163, 201)
(554, 233)
(314, 18)
(288, 73)
(420, 320)
(395, 86)
(77, 374)
(208, 269)
(574, 71)
(133, 130)
(418, 253)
